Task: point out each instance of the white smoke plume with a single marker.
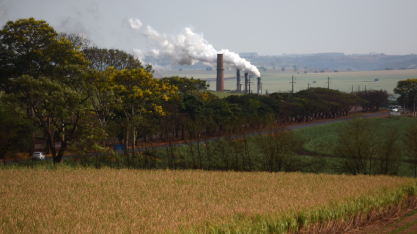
(135, 23)
(188, 48)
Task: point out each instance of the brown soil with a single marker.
(389, 225)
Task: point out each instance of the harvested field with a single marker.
(138, 201)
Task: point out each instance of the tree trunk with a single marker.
(47, 149)
(60, 154)
(133, 130)
(32, 147)
(133, 142)
(126, 140)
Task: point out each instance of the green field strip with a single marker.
(404, 227)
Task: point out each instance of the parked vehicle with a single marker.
(393, 109)
(38, 155)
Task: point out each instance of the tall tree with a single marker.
(136, 88)
(101, 59)
(102, 98)
(46, 76)
(407, 89)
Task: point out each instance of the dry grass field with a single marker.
(68, 200)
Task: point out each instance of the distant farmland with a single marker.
(137, 201)
(276, 80)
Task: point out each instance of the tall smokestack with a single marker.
(238, 80)
(246, 82)
(259, 85)
(220, 73)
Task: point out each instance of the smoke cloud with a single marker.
(188, 48)
(135, 23)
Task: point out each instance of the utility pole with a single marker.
(308, 86)
(292, 82)
(328, 82)
(365, 88)
(352, 89)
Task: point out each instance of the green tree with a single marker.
(374, 98)
(15, 132)
(46, 77)
(407, 89)
(186, 85)
(87, 137)
(57, 107)
(26, 49)
(101, 59)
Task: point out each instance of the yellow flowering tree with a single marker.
(136, 89)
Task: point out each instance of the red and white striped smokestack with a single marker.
(220, 73)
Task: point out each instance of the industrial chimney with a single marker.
(259, 86)
(238, 80)
(246, 82)
(220, 73)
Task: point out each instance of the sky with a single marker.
(268, 27)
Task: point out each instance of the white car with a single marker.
(38, 155)
(392, 109)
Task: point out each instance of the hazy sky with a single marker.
(267, 27)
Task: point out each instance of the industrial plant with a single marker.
(220, 79)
